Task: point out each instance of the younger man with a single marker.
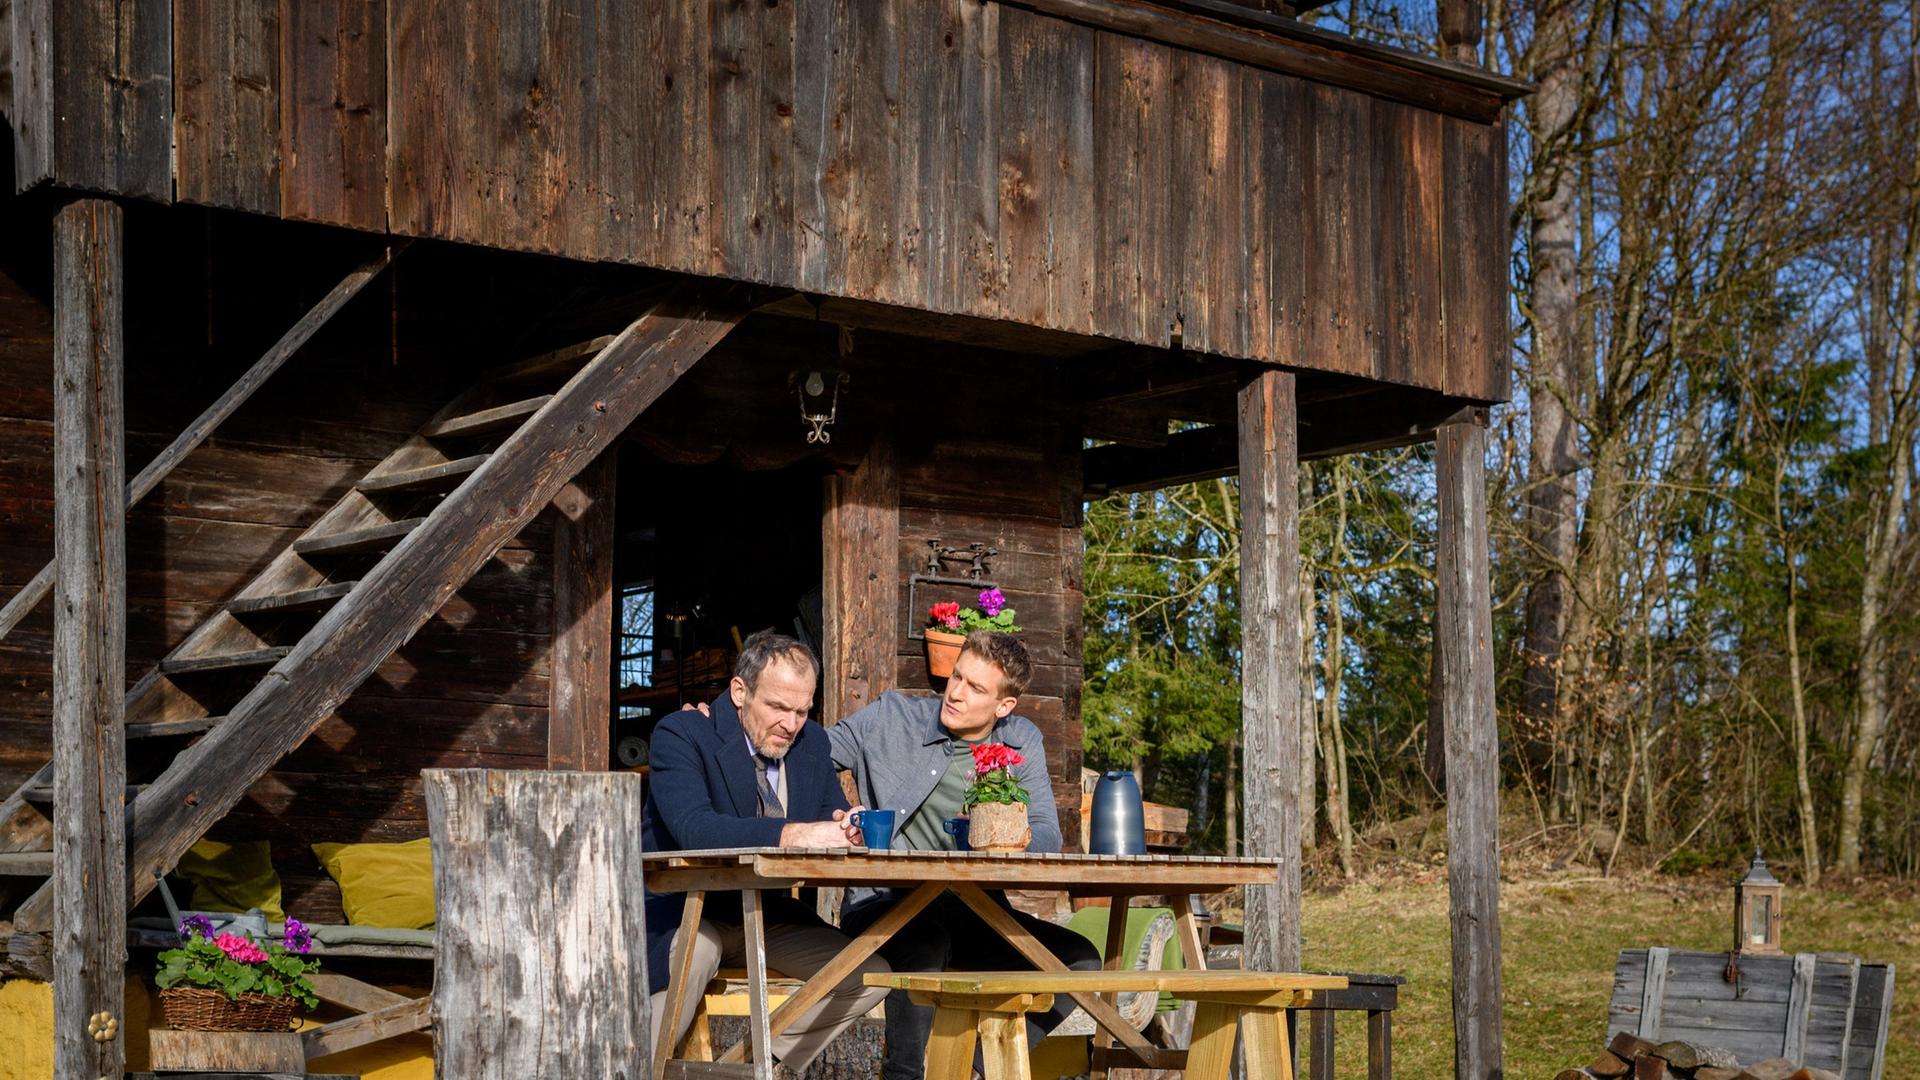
(912, 755)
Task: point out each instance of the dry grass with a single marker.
(1560, 933)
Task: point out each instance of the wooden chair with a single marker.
(990, 1007)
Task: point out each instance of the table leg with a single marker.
(1320, 1040)
(682, 963)
(1380, 1044)
(1003, 1046)
(1103, 1013)
(843, 965)
(1210, 1051)
(754, 941)
(950, 1044)
(1269, 1051)
(1192, 949)
(1113, 959)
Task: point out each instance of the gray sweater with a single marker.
(896, 749)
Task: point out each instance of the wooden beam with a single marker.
(1377, 419)
(405, 588)
(89, 642)
(1233, 32)
(580, 691)
(370, 1027)
(163, 463)
(1270, 662)
(860, 545)
(1473, 776)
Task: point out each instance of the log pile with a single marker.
(1629, 1057)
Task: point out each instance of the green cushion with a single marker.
(232, 877)
(383, 884)
(1091, 923)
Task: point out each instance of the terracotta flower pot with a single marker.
(942, 650)
(999, 827)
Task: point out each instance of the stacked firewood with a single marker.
(1629, 1057)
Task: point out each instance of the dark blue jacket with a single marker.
(701, 794)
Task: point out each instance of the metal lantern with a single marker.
(1756, 910)
(819, 394)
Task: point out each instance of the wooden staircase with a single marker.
(249, 684)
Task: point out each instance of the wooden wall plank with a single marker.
(1133, 122)
(333, 112)
(979, 275)
(580, 718)
(860, 537)
(1475, 249)
(30, 49)
(110, 68)
(226, 57)
(868, 180)
(89, 630)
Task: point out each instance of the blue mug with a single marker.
(877, 825)
(957, 828)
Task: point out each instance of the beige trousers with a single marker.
(796, 952)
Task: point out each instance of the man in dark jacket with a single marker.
(753, 773)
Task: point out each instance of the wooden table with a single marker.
(927, 874)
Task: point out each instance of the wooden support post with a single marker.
(580, 691)
(1473, 778)
(89, 643)
(860, 543)
(541, 968)
(1270, 652)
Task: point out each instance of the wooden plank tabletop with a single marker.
(1039, 982)
(747, 868)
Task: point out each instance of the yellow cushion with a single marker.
(383, 884)
(232, 877)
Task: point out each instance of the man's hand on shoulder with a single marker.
(814, 834)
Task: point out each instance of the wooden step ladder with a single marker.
(296, 641)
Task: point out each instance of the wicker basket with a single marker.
(193, 1008)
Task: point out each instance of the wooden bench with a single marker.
(990, 1007)
(726, 996)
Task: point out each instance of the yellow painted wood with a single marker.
(950, 1045)
(1003, 1046)
(1264, 1034)
(993, 1003)
(1185, 983)
(1210, 1052)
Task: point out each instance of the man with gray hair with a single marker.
(750, 771)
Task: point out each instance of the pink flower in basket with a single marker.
(240, 950)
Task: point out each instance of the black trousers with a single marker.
(948, 936)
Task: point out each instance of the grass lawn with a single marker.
(1558, 941)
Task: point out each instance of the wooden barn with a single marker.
(476, 373)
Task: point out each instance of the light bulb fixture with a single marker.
(819, 394)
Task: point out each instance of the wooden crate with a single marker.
(1827, 1010)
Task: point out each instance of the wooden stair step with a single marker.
(357, 541)
(26, 864)
(299, 600)
(42, 794)
(486, 420)
(442, 477)
(562, 361)
(189, 665)
(161, 729)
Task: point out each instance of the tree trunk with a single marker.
(1885, 512)
(1232, 789)
(1554, 380)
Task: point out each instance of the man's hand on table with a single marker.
(817, 834)
(855, 837)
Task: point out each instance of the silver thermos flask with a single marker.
(1119, 818)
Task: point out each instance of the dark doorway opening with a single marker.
(706, 556)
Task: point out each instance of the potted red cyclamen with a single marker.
(949, 624)
(996, 803)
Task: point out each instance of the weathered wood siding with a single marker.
(944, 155)
(471, 689)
